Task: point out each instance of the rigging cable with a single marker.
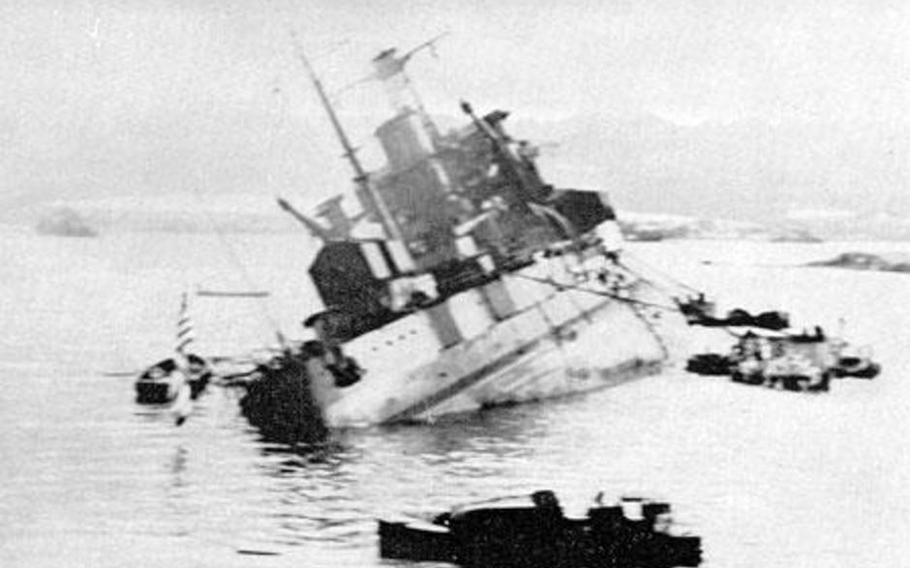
(244, 273)
(635, 305)
(595, 292)
(659, 273)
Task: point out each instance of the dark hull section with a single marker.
(541, 537)
(155, 384)
(799, 383)
(796, 383)
(280, 403)
(859, 370)
(160, 391)
(709, 364)
(152, 392)
(421, 543)
(197, 385)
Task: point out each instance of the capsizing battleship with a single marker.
(488, 286)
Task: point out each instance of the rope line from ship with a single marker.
(637, 306)
(602, 293)
(651, 268)
(234, 258)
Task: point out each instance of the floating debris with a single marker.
(233, 293)
(250, 552)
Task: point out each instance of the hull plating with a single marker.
(559, 343)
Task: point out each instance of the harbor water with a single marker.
(89, 478)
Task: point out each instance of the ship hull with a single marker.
(558, 342)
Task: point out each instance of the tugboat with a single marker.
(488, 287)
(534, 533)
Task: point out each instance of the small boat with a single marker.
(155, 385)
(856, 363)
(773, 320)
(700, 311)
(160, 383)
(534, 533)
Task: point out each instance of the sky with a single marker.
(106, 98)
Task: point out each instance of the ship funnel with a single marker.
(389, 69)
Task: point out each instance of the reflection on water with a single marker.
(332, 492)
(766, 478)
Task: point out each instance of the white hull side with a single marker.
(561, 343)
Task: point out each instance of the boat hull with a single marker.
(541, 536)
(163, 391)
(160, 383)
(154, 392)
(416, 541)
